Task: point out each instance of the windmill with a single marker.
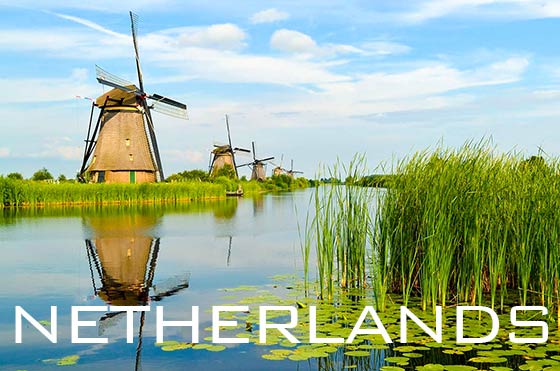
(278, 169)
(257, 166)
(224, 155)
(292, 172)
(121, 147)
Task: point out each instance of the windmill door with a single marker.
(132, 177)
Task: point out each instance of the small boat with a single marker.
(237, 193)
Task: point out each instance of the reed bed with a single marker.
(453, 226)
(470, 225)
(338, 230)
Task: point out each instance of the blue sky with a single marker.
(312, 80)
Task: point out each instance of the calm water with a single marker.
(176, 257)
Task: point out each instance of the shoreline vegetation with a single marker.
(30, 193)
(451, 227)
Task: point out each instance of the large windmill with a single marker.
(122, 147)
(257, 166)
(223, 155)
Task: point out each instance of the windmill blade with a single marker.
(170, 110)
(242, 150)
(291, 165)
(133, 22)
(168, 106)
(106, 78)
(161, 99)
(247, 164)
(267, 159)
(296, 172)
(254, 152)
(228, 133)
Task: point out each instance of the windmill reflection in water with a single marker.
(122, 259)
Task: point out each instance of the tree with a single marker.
(15, 176)
(42, 174)
(62, 178)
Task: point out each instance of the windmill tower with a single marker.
(122, 147)
(224, 155)
(291, 173)
(258, 170)
(278, 169)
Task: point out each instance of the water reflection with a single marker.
(123, 254)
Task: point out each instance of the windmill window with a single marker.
(93, 161)
(130, 157)
(127, 141)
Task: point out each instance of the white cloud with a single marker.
(383, 48)
(4, 152)
(303, 45)
(269, 16)
(219, 36)
(520, 9)
(90, 24)
(293, 42)
(46, 89)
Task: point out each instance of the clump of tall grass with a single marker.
(339, 230)
(461, 225)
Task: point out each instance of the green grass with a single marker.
(338, 230)
(468, 225)
(453, 226)
(15, 193)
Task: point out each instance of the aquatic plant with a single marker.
(457, 225)
(339, 229)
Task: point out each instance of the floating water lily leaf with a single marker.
(273, 357)
(391, 368)
(488, 360)
(412, 355)
(358, 353)
(430, 367)
(201, 346)
(459, 368)
(68, 360)
(176, 346)
(401, 361)
(500, 368)
(216, 348)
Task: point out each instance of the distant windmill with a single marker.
(278, 169)
(122, 147)
(292, 172)
(257, 166)
(224, 155)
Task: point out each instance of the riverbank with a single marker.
(27, 193)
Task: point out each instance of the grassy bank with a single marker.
(14, 192)
(455, 226)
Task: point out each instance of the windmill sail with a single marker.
(123, 147)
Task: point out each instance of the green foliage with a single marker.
(42, 174)
(15, 176)
(460, 225)
(62, 178)
(339, 230)
(189, 175)
(226, 171)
